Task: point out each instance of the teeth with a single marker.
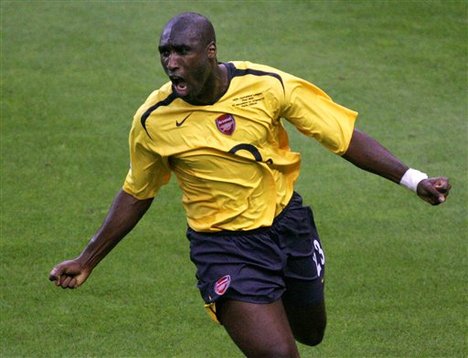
(178, 82)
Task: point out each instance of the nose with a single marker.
(172, 62)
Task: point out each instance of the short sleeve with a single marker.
(148, 170)
(315, 114)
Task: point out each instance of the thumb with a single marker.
(55, 274)
(65, 272)
(431, 192)
(442, 186)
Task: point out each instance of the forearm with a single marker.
(122, 217)
(367, 154)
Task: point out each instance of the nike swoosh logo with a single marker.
(178, 124)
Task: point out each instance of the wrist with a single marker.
(87, 261)
(412, 178)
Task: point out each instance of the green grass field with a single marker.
(74, 72)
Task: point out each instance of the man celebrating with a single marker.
(217, 127)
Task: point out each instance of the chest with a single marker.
(241, 118)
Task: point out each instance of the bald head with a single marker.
(187, 50)
(193, 26)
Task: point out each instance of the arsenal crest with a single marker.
(222, 285)
(226, 124)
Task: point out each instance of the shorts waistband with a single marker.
(295, 199)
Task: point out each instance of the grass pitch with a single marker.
(73, 73)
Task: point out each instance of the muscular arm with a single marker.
(367, 154)
(122, 217)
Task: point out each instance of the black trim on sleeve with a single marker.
(165, 102)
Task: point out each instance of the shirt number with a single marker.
(320, 261)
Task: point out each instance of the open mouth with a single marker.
(179, 85)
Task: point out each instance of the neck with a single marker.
(215, 87)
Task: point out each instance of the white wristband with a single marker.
(411, 179)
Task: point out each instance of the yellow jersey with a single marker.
(232, 159)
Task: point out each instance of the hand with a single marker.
(69, 274)
(434, 190)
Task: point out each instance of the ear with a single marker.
(212, 50)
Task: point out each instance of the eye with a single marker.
(164, 51)
(183, 50)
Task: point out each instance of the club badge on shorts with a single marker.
(226, 124)
(222, 285)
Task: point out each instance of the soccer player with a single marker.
(217, 126)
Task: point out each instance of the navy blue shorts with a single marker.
(258, 266)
